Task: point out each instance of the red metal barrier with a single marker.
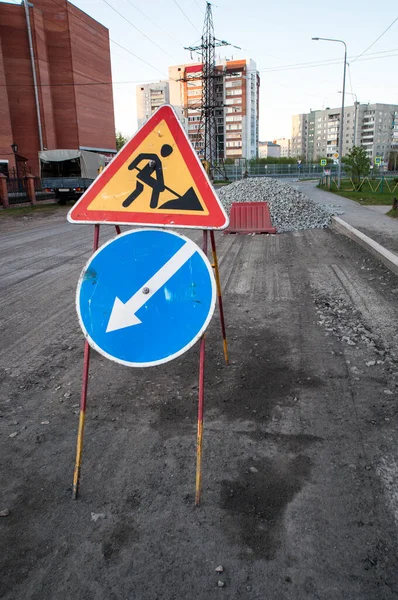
(250, 217)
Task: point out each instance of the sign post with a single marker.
(164, 304)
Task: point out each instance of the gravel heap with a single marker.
(290, 209)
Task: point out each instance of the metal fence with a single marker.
(376, 185)
(17, 190)
(294, 171)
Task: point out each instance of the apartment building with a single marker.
(269, 150)
(149, 97)
(284, 144)
(315, 135)
(299, 135)
(237, 86)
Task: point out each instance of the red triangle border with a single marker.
(216, 219)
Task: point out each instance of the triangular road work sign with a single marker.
(156, 179)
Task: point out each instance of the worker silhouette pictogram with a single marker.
(152, 175)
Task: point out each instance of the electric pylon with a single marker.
(210, 146)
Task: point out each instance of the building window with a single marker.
(234, 151)
(233, 101)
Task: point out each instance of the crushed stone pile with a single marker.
(290, 209)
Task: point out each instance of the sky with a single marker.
(276, 35)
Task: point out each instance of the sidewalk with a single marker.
(369, 220)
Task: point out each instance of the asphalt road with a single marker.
(300, 456)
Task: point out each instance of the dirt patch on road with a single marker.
(257, 499)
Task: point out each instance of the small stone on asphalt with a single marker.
(96, 516)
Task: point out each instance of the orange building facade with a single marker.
(237, 89)
(74, 83)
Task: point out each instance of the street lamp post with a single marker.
(342, 105)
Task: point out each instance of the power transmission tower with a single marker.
(210, 145)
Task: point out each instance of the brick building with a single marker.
(70, 49)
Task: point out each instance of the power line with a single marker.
(328, 62)
(198, 5)
(137, 57)
(137, 29)
(349, 78)
(110, 39)
(324, 63)
(296, 66)
(153, 23)
(186, 16)
(380, 36)
(331, 61)
(151, 80)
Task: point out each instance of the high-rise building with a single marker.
(299, 135)
(149, 97)
(237, 86)
(315, 135)
(73, 107)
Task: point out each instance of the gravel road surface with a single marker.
(300, 496)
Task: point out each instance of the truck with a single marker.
(68, 173)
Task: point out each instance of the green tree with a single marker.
(357, 163)
(120, 140)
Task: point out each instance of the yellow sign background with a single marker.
(176, 176)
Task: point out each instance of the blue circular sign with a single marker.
(145, 297)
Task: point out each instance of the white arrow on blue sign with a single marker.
(146, 297)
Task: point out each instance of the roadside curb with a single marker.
(388, 258)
